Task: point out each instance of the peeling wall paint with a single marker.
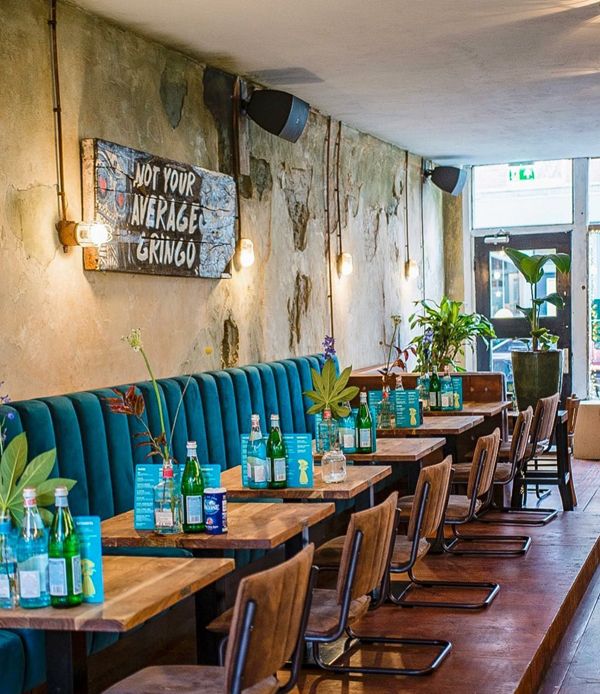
(61, 327)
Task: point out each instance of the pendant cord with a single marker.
(328, 226)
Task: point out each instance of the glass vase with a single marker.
(167, 502)
(333, 466)
(327, 433)
(386, 415)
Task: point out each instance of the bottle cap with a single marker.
(274, 417)
(61, 491)
(167, 471)
(255, 418)
(192, 444)
(29, 493)
(327, 414)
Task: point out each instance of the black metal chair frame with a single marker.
(354, 640)
(247, 626)
(400, 598)
(453, 547)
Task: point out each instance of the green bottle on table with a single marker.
(276, 458)
(192, 492)
(64, 555)
(364, 423)
(435, 391)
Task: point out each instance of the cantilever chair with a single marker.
(427, 509)
(268, 621)
(464, 509)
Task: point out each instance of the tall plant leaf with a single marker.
(35, 473)
(12, 464)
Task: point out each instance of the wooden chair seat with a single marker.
(325, 612)
(459, 507)
(161, 679)
(463, 470)
(330, 553)
(403, 550)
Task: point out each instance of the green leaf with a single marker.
(313, 395)
(555, 299)
(35, 473)
(318, 383)
(527, 265)
(315, 409)
(45, 490)
(340, 410)
(348, 394)
(12, 465)
(46, 515)
(562, 262)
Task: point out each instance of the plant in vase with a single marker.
(167, 498)
(446, 332)
(331, 396)
(538, 372)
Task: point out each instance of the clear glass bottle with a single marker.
(257, 468)
(9, 593)
(276, 456)
(32, 555)
(386, 411)
(64, 555)
(328, 432)
(192, 492)
(447, 391)
(347, 431)
(423, 390)
(333, 465)
(167, 502)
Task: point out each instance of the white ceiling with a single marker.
(466, 81)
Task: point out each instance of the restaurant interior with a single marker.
(300, 355)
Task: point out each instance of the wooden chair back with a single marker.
(436, 479)
(267, 621)
(483, 467)
(377, 525)
(572, 410)
(520, 439)
(543, 421)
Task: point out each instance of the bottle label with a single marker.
(433, 398)
(163, 519)
(57, 573)
(348, 439)
(364, 438)
(4, 586)
(279, 471)
(257, 470)
(193, 510)
(76, 573)
(447, 400)
(30, 584)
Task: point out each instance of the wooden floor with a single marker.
(510, 646)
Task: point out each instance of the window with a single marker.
(526, 194)
(594, 191)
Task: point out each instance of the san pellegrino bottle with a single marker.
(192, 492)
(167, 502)
(32, 555)
(447, 390)
(347, 431)
(435, 388)
(364, 423)
(8, 564)
(64, 555)
(276, 456)
(257, 457)
(423, 389)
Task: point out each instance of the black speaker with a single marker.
(450, 179)
(280, 113)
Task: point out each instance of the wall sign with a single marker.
(167, 218)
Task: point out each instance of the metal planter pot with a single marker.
(537, 375)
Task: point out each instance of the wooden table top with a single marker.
(251, 526)
(472, 407)
(561, 415)
(358, 480)
(444, 425)
(398, 450)
(135, 589)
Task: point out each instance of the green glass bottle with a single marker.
(64, 557)
(192, 492)
(364, 432)
(276, 457)
(435, 391)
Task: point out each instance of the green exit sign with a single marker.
(521, 172)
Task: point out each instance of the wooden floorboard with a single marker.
(510, 646)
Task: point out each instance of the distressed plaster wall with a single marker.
(453, 245)
(60, 326)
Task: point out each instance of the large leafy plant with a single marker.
(331, 391)
(446, 332)
(532, 269)
(16, 474)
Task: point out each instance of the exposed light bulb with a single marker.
(246, 251)
(85, 234)
(345, 264)
(411, 269)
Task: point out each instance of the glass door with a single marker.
(499, 288)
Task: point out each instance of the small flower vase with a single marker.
(333, 466)
(167, 502)
(327, 434)
(386, 413)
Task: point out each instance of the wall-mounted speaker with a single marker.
(277, 112)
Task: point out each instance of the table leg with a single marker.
(66, 662)
(564, 468)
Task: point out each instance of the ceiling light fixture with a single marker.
(450, 179)
(70, 233)
(279, 113)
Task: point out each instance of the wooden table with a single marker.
(136, 589)
(251, 526)
(358, 480)
(450, 427)
(473, 407)
(400, 450)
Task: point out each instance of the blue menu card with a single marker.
(90, 538)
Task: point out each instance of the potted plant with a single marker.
(538, 372)
(446, 331)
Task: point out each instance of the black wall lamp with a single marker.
(277, 112)
(450, 179)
